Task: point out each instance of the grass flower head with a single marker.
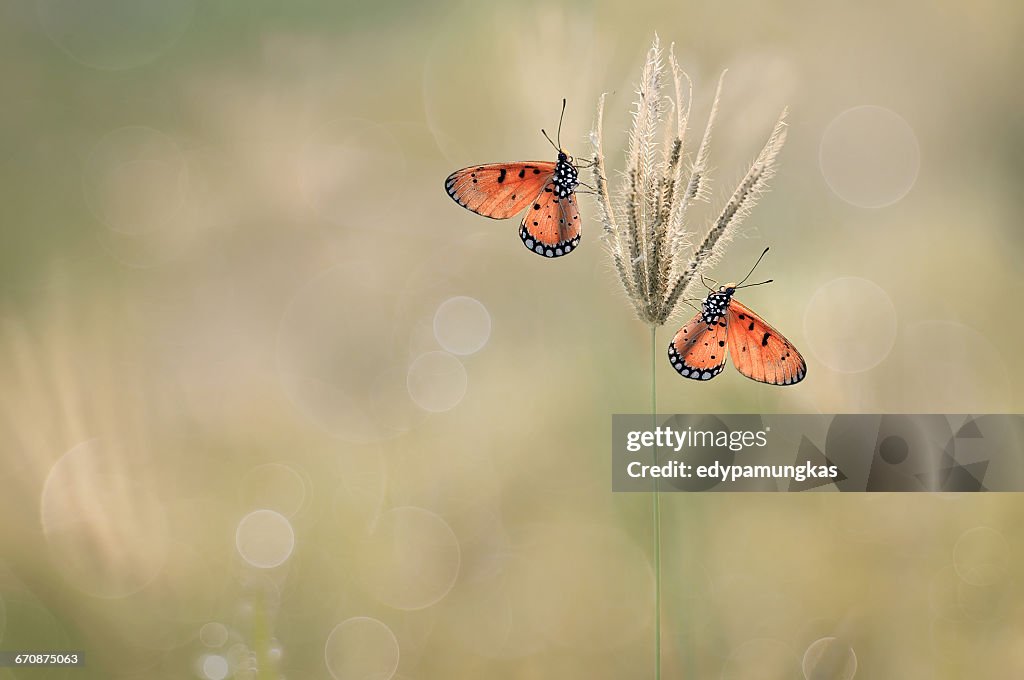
(659, 259)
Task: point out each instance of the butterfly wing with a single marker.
(499, 190)
(698, 350)
(551, 225)
(759, 351)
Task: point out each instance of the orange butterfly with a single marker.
(551, 226)
(760, 352)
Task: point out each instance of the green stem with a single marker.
(656, 513)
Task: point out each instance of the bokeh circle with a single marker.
(114, 35)
(981, 556)
(265, 539)
(213, 634)
(215, 667)
(136, 180)
(361, 648)
(829, 658)
(850, 324)
(462, 325)
(869, 156)
(437, 381)
(410, 560)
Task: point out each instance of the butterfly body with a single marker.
(725, 327)
(716, 304)
(565, 177)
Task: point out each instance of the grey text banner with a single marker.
(839, 452)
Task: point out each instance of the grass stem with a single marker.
(656, 513)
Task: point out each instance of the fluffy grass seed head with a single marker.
(658, 258)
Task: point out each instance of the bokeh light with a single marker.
(411, 559)
(869, 156)
(213, 634)
(114, 35)
(215, 667)
(136, 180)
(437, 381)
(993, 602)
(462, 325)
(981, 556)
(497, 614)
(265, 539)
(829, 658)
(361, 648)
(850, 324)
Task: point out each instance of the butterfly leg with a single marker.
(689, 301)
(705, 280)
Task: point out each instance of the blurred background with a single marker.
(274, 406)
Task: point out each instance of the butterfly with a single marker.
(546, 190)
(698, 350)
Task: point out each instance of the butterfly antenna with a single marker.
(752, 270)
(560, 117)
(549, 140)
(751, 285)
